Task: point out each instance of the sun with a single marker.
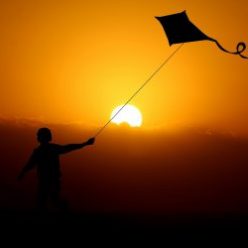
(128, 114)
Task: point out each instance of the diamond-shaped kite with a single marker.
(179, 29)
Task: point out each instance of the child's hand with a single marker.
(91, 141)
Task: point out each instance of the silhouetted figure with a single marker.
(46, 159)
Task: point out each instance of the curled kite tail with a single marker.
(241, 47)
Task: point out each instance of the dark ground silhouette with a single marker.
(184, 185)
(124, 229)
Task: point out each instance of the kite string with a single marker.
(139, 89)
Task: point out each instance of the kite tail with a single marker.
(240, 49)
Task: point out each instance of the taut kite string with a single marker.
(140, 88)
(179, 30)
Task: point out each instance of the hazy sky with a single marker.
(75, 61)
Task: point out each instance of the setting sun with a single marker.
(129, 114)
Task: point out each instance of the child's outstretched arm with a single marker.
(72, 147)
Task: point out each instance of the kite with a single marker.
(179, 29)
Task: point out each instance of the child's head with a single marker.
(44, 135)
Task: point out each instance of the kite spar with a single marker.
(179, 30)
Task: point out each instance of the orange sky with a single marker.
(74, 61)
